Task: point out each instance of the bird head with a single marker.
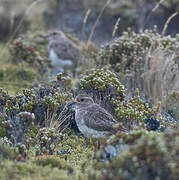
(81, 101)
(53, 35)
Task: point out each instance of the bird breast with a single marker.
(80, 117)
(56, 61)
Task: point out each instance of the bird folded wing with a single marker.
(99, 119)
(65, 50)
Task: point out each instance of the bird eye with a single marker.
(81, 100)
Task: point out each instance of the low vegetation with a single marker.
(134, 77)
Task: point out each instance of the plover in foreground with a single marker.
(95, 122)
(91, 119)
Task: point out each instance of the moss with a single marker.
(80, 151)
(6, 152)
(15, 79)
(13, 73)
(11, 170)
(53, 162)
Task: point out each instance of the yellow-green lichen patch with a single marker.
(19, 170)
(80, 151)
(101, 80)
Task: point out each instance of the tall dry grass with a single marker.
(167, 22)
(161, 75)
(115, 27)
(96, 22)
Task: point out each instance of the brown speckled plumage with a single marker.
(63, 47)
(63, 52)
(91, 119)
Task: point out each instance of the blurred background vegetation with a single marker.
(68, 15)
(27, 22)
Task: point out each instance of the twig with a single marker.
(84, 23)
(153, 10)
(167, 23)
(115, 27)
(58, 125)
(157, 5)
(97, 20)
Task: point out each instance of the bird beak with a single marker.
(70, 105)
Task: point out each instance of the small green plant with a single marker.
(6, 149)
(24, 50)
(53, 162)
(48, 139)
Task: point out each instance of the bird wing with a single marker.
(65, 50)
(98, 118)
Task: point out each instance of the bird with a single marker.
(92, 120)
(95, 123)
(63, 52)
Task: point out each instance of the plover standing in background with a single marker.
(63, 52)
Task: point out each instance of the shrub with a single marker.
(51, 161)
(31, 50)
(43, 106)
(6, 151)
(147, 61)
(150, 155)
(106, 89)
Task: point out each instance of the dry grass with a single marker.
(167, 22)
(157, 5)
(115, 27)
(153, 10)
(96, 22)
(161, 75)
(58, 122)
(84, 24)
